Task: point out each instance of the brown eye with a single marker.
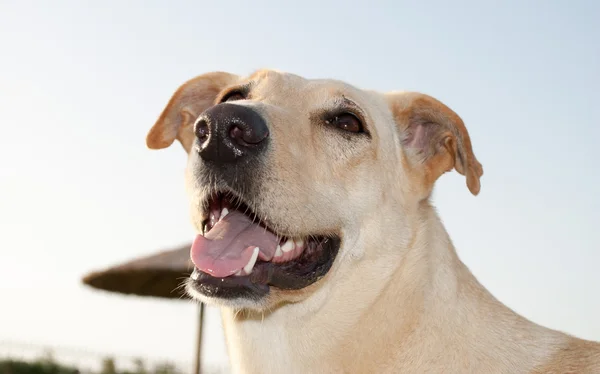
(233, 96)
(347, 122)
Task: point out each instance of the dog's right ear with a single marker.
(186, 104)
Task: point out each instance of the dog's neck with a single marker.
(417, 293)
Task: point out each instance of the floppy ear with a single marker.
(186, 104)
(434, 138)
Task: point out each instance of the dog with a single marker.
(317, 238)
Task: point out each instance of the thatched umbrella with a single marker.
(158, 275)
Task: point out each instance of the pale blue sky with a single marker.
(80, 85)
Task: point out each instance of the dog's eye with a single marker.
(347, 122)
(233, 96)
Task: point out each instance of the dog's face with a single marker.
(285, 174)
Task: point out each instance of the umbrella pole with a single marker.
(198, 361)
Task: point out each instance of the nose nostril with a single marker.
(236, 133)
(201, 130)
(247, 135)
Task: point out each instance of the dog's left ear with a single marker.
(434, 138)
(186, 104)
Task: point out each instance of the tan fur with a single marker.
(397, 299)
(575, 356)
(191, 99)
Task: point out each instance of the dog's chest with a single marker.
(257, 346)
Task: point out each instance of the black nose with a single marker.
(229, 132)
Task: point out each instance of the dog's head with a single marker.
(286, 175)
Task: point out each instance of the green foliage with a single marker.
(108, 366)
(38, 367)
(140, 368)
(47, 365)
(166, 368)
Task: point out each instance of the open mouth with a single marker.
(239, 255)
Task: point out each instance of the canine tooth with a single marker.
(250, 265)
(238, 273)
(288, 245)
(224, 212)
(299, 243)
(278, 251)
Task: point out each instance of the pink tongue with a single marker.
(229, 245)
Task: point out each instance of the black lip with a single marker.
(226, 288)
(292, 275)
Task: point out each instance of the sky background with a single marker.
(80, 85)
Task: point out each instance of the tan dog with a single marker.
(318, 239)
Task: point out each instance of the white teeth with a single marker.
(299, 243)
(287, 246)
(250, 265)
(224, 212)
(278, 251)
(238, 273)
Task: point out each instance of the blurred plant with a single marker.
(140, 368)
(108, 366)
(47, 365)
(166, 368)
(42, 366)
